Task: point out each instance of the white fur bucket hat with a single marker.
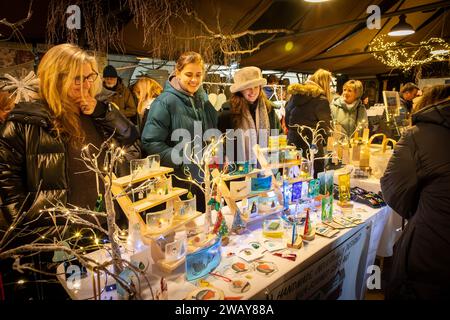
(248, 77)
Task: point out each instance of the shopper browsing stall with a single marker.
(416, 185)
(248, 109)
(41, 141)
(308, 105)
(407, 94)
(121, 96)
(146, 91)
(182, 104)
(348, 110)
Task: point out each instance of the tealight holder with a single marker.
(159, 221)
(185, 208)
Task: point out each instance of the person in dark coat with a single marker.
(41, 142)
(122, 97)
(309, 104)
(407, 94)
(248, 109)
(182, 105)
(416, 185)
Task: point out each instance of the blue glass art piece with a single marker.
(200, 263)
(296, 191)
(261, 184)
(287, 193)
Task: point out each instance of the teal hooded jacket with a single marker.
(173, 110)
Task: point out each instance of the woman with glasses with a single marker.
(41, 142)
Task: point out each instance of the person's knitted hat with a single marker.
(110, 72)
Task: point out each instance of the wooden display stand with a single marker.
(133, 209)
(267, 168)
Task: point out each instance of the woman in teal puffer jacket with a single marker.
(182, 105)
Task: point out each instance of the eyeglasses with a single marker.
(90, 78)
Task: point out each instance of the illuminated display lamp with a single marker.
(402, 28)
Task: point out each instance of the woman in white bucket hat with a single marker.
(248, 109)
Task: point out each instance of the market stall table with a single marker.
(325, 267)
(392, 229)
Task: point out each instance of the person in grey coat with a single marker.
(348, 109)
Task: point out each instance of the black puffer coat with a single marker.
(307, 106)
(31, 154)
(416, 184)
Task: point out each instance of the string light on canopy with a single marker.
(407, 56)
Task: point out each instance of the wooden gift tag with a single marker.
(330, 144)
(365, 137)
(356, 151)
(345, 155)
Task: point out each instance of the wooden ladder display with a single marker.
(133, 211)
(266, 168)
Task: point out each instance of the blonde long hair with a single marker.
(146, 89)
(323, 78)
(57, 71)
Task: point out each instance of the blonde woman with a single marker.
(145, 90)
(41, 141)
(309, 104)
(348, 110)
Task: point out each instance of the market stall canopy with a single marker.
(332, 35)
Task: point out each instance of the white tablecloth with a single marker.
(308, 257)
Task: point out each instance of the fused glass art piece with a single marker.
(159, 221)
(296, 191)
(200, 263)
(314, 188)
(175, 250)
(327, 208)
(185, 208)
(261, 183)
(154, 162)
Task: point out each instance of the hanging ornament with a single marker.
(24, 90)
(60, 255)
(314, 148)
(99, 204)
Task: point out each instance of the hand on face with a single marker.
(79, 93)
(86, 103)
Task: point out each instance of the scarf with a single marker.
(251, 133)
